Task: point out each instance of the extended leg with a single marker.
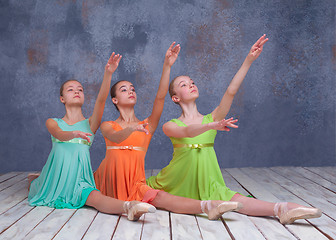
(286, 212)
(214, 209)
(105, 204)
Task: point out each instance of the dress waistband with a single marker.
(79, 141)
(130, 147)
(194, 145)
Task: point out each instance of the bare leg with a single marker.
(105, 204)
(287, 212)
(214, 209)
(255, 207)
(166, 201)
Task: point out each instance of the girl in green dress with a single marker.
(194, 171)
(66, 180)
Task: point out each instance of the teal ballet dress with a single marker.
(66, 179)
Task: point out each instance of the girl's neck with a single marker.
(73, 114)
(189, 111)
(127, 115)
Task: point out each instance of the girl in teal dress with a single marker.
(66, 180)
(194, 171)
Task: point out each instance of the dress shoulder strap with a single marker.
(208, 118)
(178, 122)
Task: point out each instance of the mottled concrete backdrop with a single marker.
(286, 105)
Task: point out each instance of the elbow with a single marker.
(231, 91)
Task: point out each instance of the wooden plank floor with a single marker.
(310, 186)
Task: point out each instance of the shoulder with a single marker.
(108, 125)
(169, 125)
(52, 121)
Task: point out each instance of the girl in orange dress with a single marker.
(66, 180)
(121, 174)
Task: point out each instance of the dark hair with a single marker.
(113, 91)
(62, 86)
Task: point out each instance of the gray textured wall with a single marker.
(286, 105)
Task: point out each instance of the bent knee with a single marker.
(93, 198)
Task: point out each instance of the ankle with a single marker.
(280, 208)
(205, 206)
(126, 206)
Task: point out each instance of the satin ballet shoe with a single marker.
(299, 213)
(218, 211)
(31, 177)
(135, 209)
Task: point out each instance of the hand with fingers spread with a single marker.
(172, 54)
(83, 135)
(141, 128)
(113, 62)
(224, 124)
(257, 48)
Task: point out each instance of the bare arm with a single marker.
(171, 129)
(61, 135)
(170, 58)
(119, 136)
(98, 110)
(222, 110)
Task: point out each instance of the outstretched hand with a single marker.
(79, 134)
(141, 128)
(224, 124)
(113, 63)
(257, 48)
(172, 54)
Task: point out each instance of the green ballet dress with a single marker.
(66, 179)
(194, 171)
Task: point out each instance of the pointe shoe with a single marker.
(135, 209)
(299, 213)
(31, 177)
(222, 208)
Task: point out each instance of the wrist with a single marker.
(209, 126)
(166, 66)
(108, 73)
(248, 61)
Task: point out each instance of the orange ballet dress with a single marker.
(122, 173)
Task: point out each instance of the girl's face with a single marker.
(185, 90)
(73, 94)
(125, 94)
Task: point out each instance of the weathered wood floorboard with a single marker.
(310, 186)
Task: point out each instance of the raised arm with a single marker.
(170, 58)
(222, 110)
(119, 136)
(98, 110)
(61, 135)
(171, 129)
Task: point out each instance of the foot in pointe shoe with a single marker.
(31, 177)
(299, 213)
(135, 209)
(216, 212)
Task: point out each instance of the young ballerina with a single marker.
(194, 172)
(121, 174)
(66, 180)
